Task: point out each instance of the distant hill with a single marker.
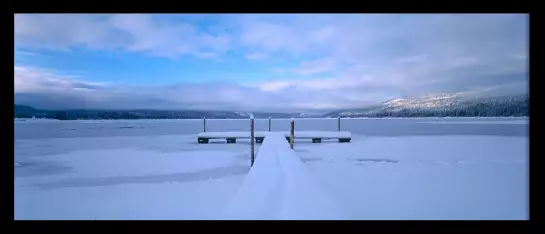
(442, 106)
(21, 111)
(428, 106)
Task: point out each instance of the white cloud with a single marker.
(312, 67)
(413, 53)
(272, 37)
(131, 32)
(317, 85)
(357, 39)
(367, 57)
(206, 55)
(285, 37)
(411, 59)
(256, 56)
(28, 79)
(46, 89)
(27, 53)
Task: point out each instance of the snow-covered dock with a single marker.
(280, 186)
(316, 136)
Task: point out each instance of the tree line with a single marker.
(477, 108)
(503, 108)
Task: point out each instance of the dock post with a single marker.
(339, 123)
(252, 157)
(204, 124)
(269, 124)
(292, 134)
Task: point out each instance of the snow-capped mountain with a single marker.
(429, 101)
(243, 114)
(443, 105)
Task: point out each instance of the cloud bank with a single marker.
(343, 61)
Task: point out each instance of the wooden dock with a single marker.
(315, 136)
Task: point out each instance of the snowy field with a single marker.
(463, 168)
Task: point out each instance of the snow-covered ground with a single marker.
(518, 121)
(447, 177)
(161, 176)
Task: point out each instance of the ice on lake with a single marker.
(462, 168)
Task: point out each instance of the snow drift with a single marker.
(279, 186)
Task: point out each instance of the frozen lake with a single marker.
(369, 127)
(428, 168)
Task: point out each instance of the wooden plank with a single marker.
(297, 134)
(252, 141)
(344, 140)
(259, 139)
(231, 140)
(292, 129)
(202, 140)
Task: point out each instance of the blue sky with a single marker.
(263, 61)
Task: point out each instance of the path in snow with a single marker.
(280, 187)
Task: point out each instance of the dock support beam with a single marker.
(344, 140)
(339, 124)
(252, 157)
(269, 124)
(292, 130)
(259, 139)
(204, 124)
(231, 140)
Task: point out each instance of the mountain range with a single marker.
(426, 106)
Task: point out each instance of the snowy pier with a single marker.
(279, 186)
(315, 136)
